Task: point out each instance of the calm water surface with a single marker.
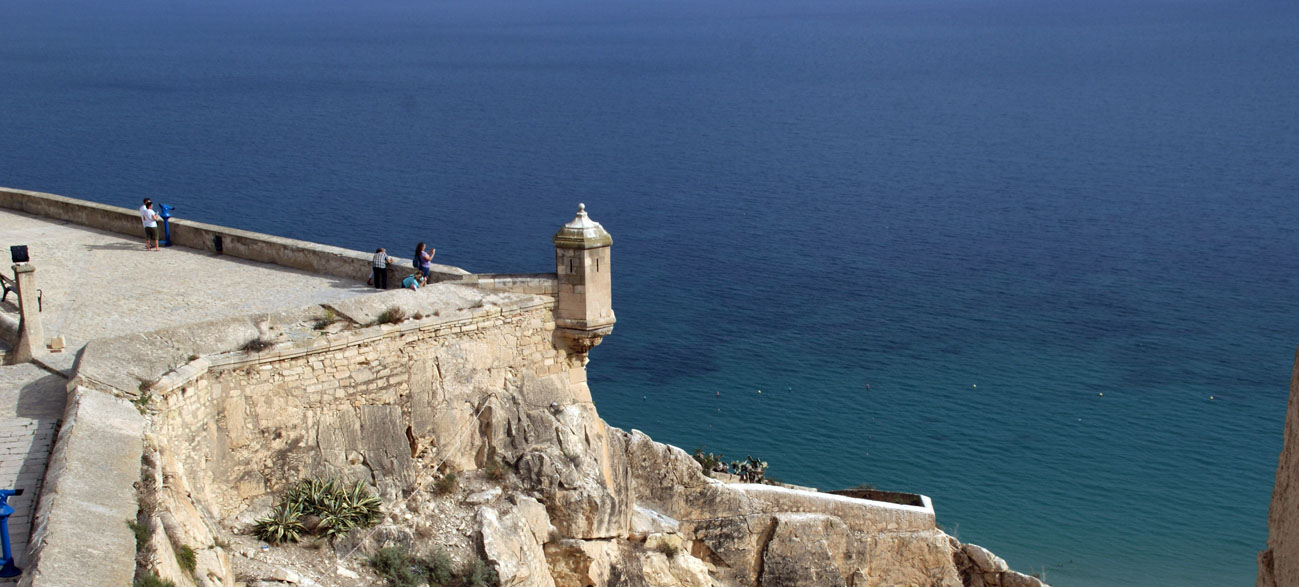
(998, 252)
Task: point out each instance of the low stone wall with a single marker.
(544, 284)
(243, 244)
(866, 515)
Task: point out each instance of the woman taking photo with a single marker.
(423, 261)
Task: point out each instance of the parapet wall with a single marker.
(542, 284)
(243, 244)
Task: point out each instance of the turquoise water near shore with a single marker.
(1002, 253)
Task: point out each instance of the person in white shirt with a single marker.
(379, 263)
(150, 220)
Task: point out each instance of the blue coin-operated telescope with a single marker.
(165, 215)
(8, 569)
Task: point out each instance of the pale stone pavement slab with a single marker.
(98, 284)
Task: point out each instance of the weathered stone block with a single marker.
(807, 549)
(385, 446)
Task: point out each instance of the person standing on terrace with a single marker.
(150, 220)
(424, 260)
(379, 265)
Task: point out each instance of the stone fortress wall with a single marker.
(211, 432)
(372, 406)
(243, 244)
(385, 403)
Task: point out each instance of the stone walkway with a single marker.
(31, 403)
(96, 284)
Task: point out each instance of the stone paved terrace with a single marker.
(96, 284)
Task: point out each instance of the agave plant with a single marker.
(339, 507)
(363, 507)
(283, 525)
(311, 494)
(334, 525)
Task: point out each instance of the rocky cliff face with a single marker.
(548, 493)
(1279, 563)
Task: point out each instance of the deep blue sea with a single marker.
(1000, 252)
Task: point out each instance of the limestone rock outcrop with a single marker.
(1279, 563)
(510, 541)
(979, 567)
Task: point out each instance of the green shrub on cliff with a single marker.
(479, 574)
(143, 534)
(396, 565)
(186, 558)
(403, 569)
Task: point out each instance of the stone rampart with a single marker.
(468, 377)
(218, 412)
(339, 392)
(243, 244)
(371, 405)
